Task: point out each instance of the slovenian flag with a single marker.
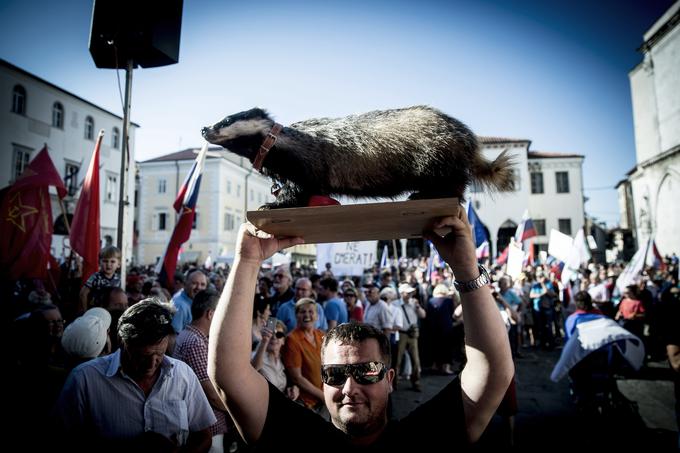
(483, 251)
(525, 229)
(185, 205)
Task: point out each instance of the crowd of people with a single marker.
(161, 367)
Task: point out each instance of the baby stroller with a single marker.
(598, 352)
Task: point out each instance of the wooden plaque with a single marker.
(358, 222)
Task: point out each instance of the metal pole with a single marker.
(124, 165)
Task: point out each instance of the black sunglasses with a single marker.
(363, 373)
(280, 335)
(350, 295)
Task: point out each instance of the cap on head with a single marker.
(86, 336)
(405, 288)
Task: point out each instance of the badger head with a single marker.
(241, 133)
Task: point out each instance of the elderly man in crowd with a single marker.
(136, 398)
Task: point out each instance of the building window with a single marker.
(19, 100)
(562, 181)
(162, 219)
(161, 185)
(259, 197)
(89, 128)
(195, 224)
(539, 224)
(228, 186)
(22, 155)
(115, 138)
(564, 225)
(238, 190)
(228, 222)
(536, 182)
(111, 188)
(71, 178)
(252, 195)
(516, 180)
(58, 115)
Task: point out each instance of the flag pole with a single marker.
(63, 214)
(63, 209)
(124, 165)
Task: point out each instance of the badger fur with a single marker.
(384, 153)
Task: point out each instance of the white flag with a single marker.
(633, 269)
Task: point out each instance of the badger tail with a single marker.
(496, 175)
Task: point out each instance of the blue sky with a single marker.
(552, 72)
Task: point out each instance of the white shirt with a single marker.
(378, 315)
(101, 400)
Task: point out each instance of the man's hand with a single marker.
(457, 247)
(256, 245)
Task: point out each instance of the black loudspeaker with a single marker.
(146, 31)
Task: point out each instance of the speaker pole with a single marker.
(123, 201)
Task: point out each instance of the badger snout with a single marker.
(210, 134)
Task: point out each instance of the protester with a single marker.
(408, 338)
(137, 397)
(302, 355)
(192, 348)
(87, 337)
(196, 281)
(109, 263)
(355, 362)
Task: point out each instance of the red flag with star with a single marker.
(26, 220)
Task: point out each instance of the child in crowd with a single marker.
(106, 277)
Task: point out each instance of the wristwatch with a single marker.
(471, 285)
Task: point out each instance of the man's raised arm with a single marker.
(244, 390)
(489, 368)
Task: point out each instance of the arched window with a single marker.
(58, 115)
(89, 128)
(115, 138)
(19, 100)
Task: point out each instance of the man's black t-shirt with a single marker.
(436, 423)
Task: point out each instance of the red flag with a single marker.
(26, 220)
(85, 224)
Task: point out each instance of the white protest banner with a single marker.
(560, 245)
(346, 258)
(515, 259)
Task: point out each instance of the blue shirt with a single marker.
(286, 313)
(336, 310)
(99, 399)
(511, 298)
(183, 315)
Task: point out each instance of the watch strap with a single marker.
(474, 284)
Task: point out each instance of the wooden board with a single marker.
(358, 222)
